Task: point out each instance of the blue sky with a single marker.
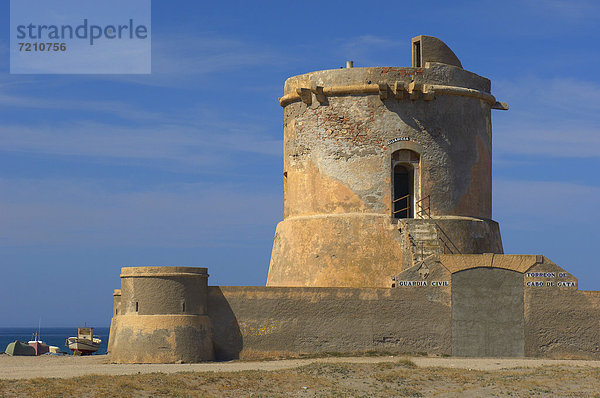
(184, 166)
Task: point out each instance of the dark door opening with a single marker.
(403, 194)
(417, 54)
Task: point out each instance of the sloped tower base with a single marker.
(369, 250)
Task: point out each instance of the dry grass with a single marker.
(400, 378)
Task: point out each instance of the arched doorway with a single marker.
(403, 195)
(405, 165)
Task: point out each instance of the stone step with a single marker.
(421, 224)
(424, 235)
(425, 241)
(430, 242)
(423, 230)
(418, 252)
(418, 248)
(428, 237)
(428, 249)
(423, 227)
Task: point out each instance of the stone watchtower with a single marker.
(384, 167)
(161, 316)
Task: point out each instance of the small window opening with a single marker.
(137, 306)
(417, 54)
(116, 312)
(183, 307)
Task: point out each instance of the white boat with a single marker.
(85, 343)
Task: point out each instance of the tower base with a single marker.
(161, 339)
(368, 250)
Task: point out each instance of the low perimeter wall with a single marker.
(537, 312)
(478, 305)
(268, 321)
(562, 323)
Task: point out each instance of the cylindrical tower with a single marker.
(381, 164)
(161, 316)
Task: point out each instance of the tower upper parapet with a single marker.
(436, 71)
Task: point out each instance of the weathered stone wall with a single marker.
(163, 290)
(263, 321)
(471, 235)
(467, 305)
(307, 251)
(161, 339)
(337, 158)
(560, 321)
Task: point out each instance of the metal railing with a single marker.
(447, 242)
(423, 208)
(406, 209)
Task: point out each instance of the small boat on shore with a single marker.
(55, 350)
(19, 348)
(39, 346)
(85, 343)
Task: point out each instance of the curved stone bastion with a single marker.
(160, 316)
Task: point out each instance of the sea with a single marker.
(50, 336)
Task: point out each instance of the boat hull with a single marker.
(40, 348)
(82, 346)
(19, 348)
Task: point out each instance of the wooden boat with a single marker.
(39, 346)
(85, 343)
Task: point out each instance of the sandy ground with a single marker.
(70, 366)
